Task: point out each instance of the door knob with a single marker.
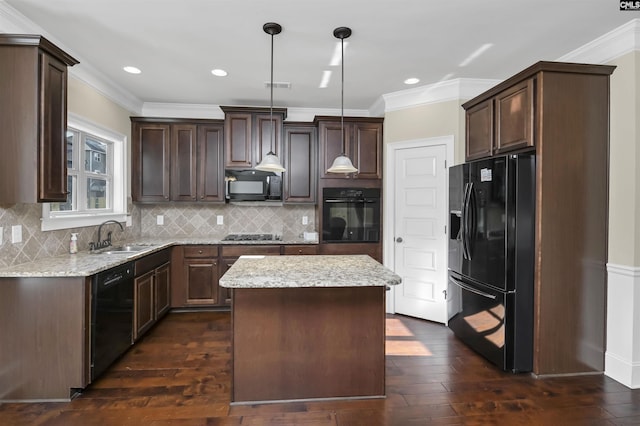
(399, 240)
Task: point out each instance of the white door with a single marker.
(420, 245)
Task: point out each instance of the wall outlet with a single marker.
(129, 221)
(16, 234)
(305, 220)
(160, 220)
(220, 220)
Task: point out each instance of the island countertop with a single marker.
(307, 271)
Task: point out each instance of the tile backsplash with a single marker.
(201, 220)
(179, 220)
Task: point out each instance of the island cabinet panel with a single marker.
(311, 341)
(45, 339)
(33, 119)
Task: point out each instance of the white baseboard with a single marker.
(622, 357)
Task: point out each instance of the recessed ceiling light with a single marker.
(218, 72)
(412, 80)
(132, 70)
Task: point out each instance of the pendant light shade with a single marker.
(342, 163)
(271, 162)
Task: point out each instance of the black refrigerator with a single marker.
(491, 258)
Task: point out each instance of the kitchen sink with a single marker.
(128, 249)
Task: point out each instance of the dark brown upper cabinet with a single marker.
(33, 119)
(301, 161)
(247, 135)
(501, 124)
(175, 160)
(363, 145)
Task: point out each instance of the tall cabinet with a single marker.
(562, 111)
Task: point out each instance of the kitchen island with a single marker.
(307, 327)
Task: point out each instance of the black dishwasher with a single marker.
(111, 316)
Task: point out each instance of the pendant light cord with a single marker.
(271, 127)
(342, 96)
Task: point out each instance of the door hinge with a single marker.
(445, 164)
(445, 294)
(445, 230)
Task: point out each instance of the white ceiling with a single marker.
(176, 43)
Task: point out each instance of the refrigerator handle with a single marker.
(466, 224)
(472, 220)
(471, 289)
(463, 222)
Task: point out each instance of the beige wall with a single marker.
(427, 121)
(624, 189)
(88, 103)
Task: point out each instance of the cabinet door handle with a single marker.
(199, 251)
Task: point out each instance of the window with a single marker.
(95, 178)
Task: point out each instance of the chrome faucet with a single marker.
(107, 242)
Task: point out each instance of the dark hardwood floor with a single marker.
(179, 375)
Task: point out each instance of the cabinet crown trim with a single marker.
(541, 66)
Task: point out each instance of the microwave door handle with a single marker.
(471, 289)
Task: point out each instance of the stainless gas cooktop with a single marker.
(251, 237)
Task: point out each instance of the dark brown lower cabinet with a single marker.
(151, 291)
(196, 282)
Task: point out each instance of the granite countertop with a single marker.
(84, 264)
(307, 271)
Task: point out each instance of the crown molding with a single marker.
(612, 45)
(175, 110)
(13, 21)
(448, 90)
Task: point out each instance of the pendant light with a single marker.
(342, 163)
(271, 162)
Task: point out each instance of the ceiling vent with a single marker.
(278, 85)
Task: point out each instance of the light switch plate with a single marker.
(16, 234)
(305, 220)
(129, 221)
(1, 234)
(160, 219)
(220, 220)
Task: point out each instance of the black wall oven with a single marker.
(351, 215)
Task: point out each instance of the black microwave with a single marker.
(252, 185)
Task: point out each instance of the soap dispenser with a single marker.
(73, 244)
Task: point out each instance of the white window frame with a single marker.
(118, 210)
